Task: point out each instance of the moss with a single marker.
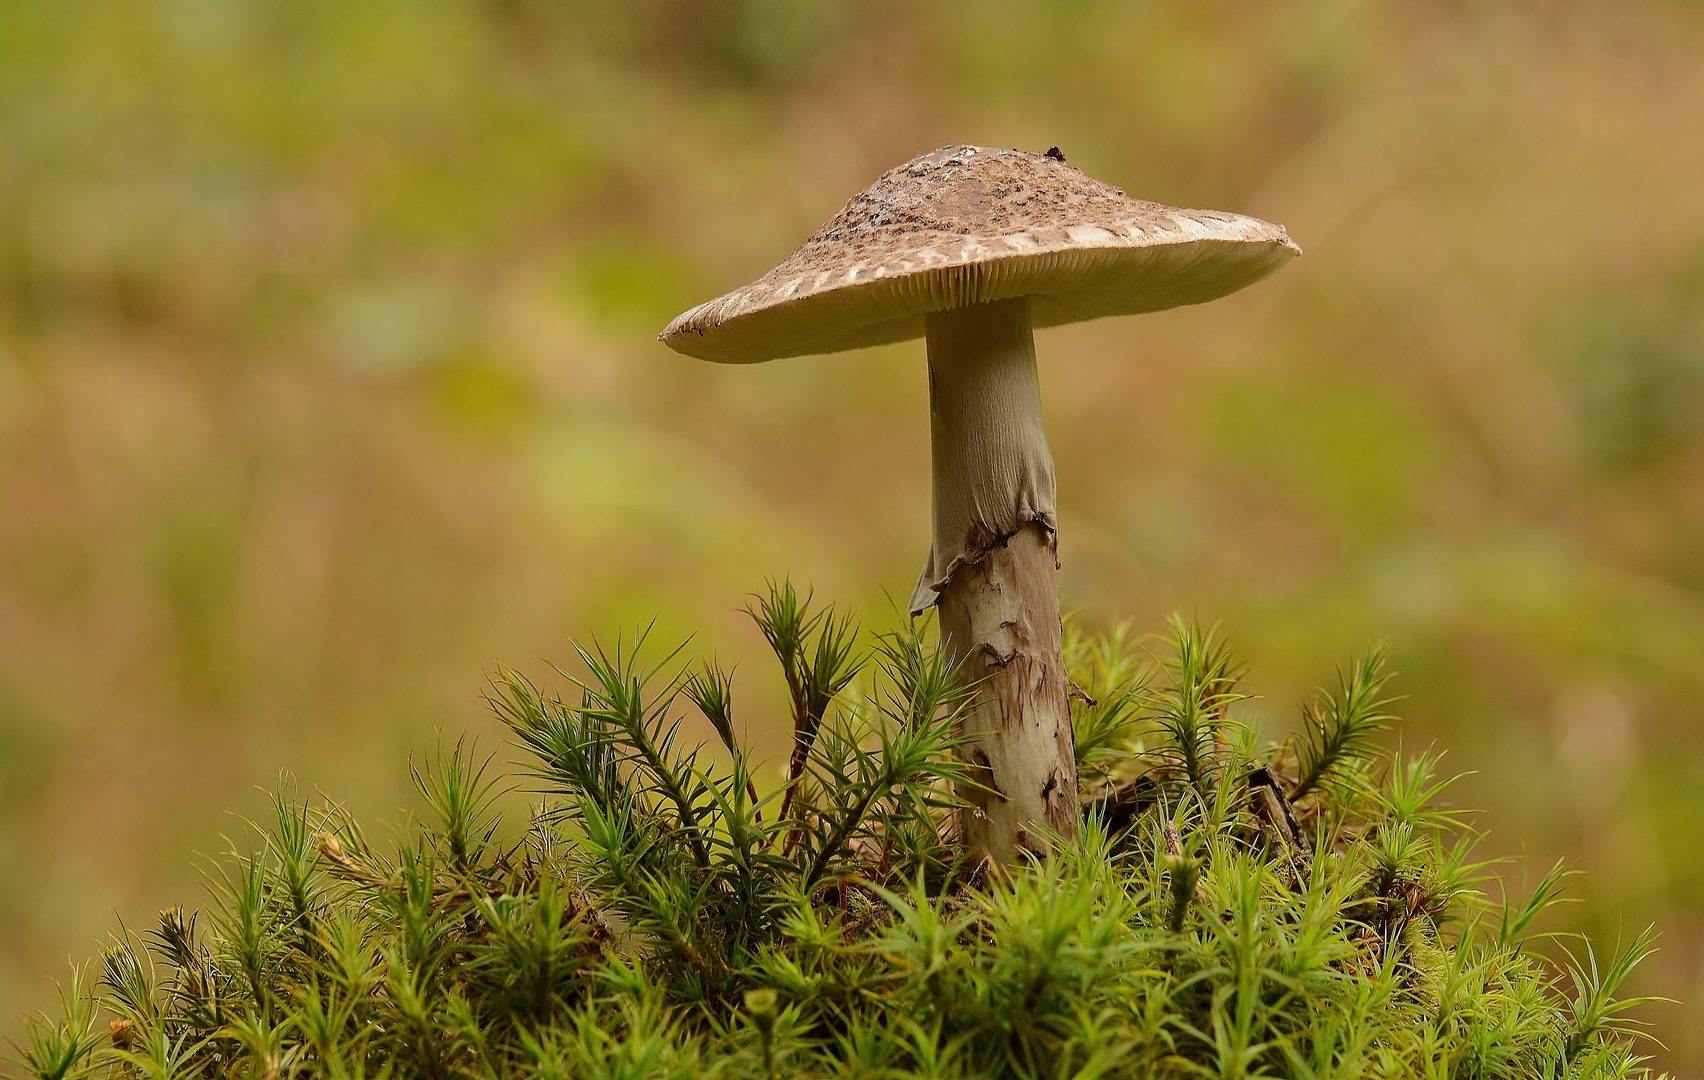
(1230, 908)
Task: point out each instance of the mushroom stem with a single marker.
(994, 570)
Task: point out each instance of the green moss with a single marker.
(1230, 908)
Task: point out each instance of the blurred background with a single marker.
(328, 380)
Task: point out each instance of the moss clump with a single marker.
(1231, 907)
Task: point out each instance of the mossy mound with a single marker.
(1230, 907)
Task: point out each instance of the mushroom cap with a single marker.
(969, 225)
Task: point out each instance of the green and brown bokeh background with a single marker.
(328, 380)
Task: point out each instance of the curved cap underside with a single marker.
(968, 225)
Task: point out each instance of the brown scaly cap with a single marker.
(968, 225)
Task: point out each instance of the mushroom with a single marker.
(972, 248)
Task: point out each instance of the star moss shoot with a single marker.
(1229, 907)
